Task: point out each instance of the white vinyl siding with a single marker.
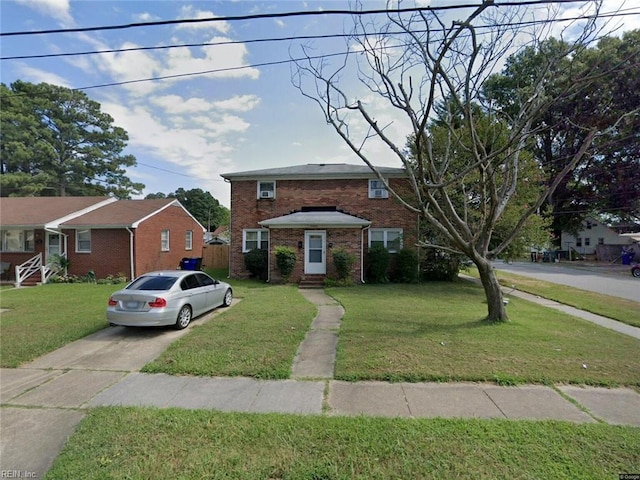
(252, 239)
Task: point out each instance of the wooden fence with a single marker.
(215, 256)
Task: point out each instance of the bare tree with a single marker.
(419, 65)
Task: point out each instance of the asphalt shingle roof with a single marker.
(315, 170)
(40, 211)
(316, 219)
(124, 213)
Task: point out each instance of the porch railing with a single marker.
(28, 268)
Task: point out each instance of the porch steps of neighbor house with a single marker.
(312, 281)
(32, 281)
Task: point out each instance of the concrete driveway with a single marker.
(615, 280)
(44, 400)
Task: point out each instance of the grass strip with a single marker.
(136, 443)
(620, 309)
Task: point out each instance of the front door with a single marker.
(315, 249)
(54, 246)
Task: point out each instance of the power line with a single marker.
(287, 14)
(307, 37)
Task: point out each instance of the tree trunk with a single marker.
(495, 305)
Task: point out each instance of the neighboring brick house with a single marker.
(315, 208)
(99, 234)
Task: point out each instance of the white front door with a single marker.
(54, 246)
(315, 249)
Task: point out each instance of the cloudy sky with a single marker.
(187, 130)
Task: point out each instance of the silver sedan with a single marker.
(169, 297)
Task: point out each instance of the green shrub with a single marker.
(256, 262)
(407, 266)
(439, 265)
(285, 260)
(343, 261)
(378, 257)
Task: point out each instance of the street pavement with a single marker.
(609, 279)
(43, 401)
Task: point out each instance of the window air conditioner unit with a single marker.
(380, 193)
(266, 194)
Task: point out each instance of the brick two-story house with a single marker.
(316, 208)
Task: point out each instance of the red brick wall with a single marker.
(147, 245)
(350, 196)
(109, 253)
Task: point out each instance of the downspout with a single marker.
(362, 253)
(132, 266)
(269, 257)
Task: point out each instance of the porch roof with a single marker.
(316, 220)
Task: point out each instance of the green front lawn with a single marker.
(258, 337)
(42, 319)
(435, 332)
(428, 332)
(124, 443)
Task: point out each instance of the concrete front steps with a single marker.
(312, 281)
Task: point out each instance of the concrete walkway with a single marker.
(42, 402)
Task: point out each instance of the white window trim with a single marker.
(260, 232)
(377, 192)
(188, 240)
(385, 240)
(164, 248)
(78, 242)
(259, 192)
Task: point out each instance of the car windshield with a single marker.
(152, 283)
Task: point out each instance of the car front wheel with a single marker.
(228, 297)
(184, 318)
(636, 272)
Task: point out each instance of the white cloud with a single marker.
(58, 9)
(239, 103)
(176, 105)
(216, 57)
(35, 75)
(189, 12)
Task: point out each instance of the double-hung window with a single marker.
(389, 238)
(188, 240)
(267, 189)
(252, 239)
(377, 189)
(83, 241)
(164, 240)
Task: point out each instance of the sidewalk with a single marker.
(43, 401)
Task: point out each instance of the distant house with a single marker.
(602, 241)
(314, 209)
(99, 234)
(220, 236)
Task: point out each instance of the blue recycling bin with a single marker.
(191, 263)
(627, 258)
